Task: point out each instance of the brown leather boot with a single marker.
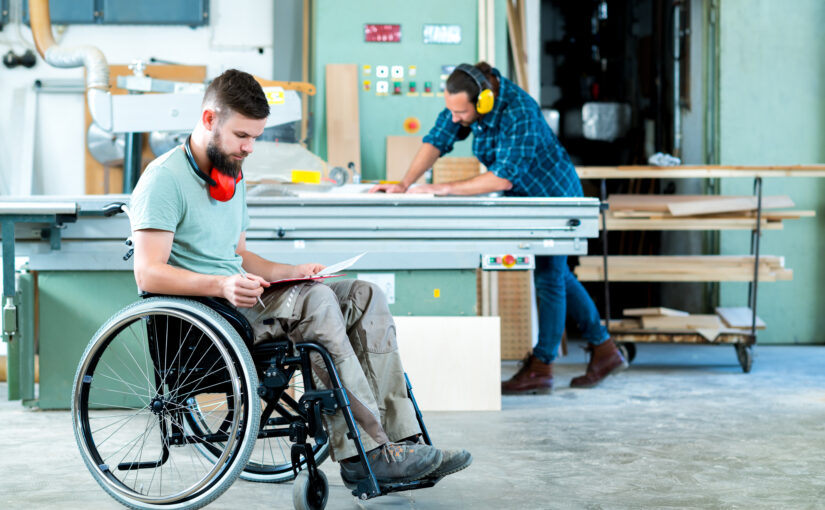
(605, 359)
(534, 377)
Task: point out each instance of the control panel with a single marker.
(517, 261)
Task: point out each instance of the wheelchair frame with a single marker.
(273, 366)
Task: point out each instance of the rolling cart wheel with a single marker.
(628, 350)
(309, 494)
(745, 355)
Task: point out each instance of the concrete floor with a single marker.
(683, 428)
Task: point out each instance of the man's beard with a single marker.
(221, 161)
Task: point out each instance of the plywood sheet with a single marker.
(343, 128)
(727, 204)
(739, 317)
(400, 152)
(453, 363)
(706, 322)
(659, 310)
(698, 268)
(449, 169)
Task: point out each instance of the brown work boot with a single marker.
(533, 377)
(605, 359)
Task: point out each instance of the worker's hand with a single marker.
(243, 290)
(389, 188)
(306, 270)
(435, 189)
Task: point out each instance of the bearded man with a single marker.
(189, 220)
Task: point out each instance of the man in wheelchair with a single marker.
(189, 221)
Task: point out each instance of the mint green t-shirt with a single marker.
(170, 196)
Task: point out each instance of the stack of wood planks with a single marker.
(735, 321)
(695, 268)
(698, 212)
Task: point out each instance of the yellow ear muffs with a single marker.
(485, 101)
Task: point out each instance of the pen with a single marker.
(259, 297)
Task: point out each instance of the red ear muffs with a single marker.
(221, 186)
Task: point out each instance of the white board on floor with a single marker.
(454, 363)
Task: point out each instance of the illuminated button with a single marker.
(428, 86)
(498, 260)
(412, 86)
(508, 261)
(396, 87)
(526, 260)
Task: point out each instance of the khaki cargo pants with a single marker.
(352, 320)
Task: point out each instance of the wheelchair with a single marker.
(172, 403)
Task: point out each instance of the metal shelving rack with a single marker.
(743, 342)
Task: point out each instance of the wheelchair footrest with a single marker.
(362, 489)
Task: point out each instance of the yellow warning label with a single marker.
(274, 95)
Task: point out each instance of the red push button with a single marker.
(508, 261)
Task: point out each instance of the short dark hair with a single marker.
(237, 91)
(459, 81)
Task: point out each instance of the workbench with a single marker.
(77, 271)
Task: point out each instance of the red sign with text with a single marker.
(382, 33)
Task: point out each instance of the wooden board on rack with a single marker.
(708, 322)
(681, 337)
(727, 204)
(691, 171)
(653, 311)
(640, 220)
(400, 152)
(343, 128)
(659, 203)
(100, 179)
(697, 268)
(739, 317)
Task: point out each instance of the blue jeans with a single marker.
(559, 292)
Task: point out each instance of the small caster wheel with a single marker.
(309, 494)
(744, 353)
(628, 350)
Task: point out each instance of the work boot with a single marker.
(393, 462)
(534, 377)
(453, 461)
(605, 359)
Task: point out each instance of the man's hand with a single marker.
(307, 270)
(243, 290)
(389, 188)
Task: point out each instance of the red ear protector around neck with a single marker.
(221, 186)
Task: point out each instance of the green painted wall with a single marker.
(338, 35)
(772, 111)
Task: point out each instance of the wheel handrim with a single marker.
(124, 398)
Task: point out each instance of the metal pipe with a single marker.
(677, 86)
(97, 69)
(132, 161)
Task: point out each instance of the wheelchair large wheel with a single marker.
(270, 461)
(133, 389)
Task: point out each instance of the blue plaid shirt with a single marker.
(515, 143)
